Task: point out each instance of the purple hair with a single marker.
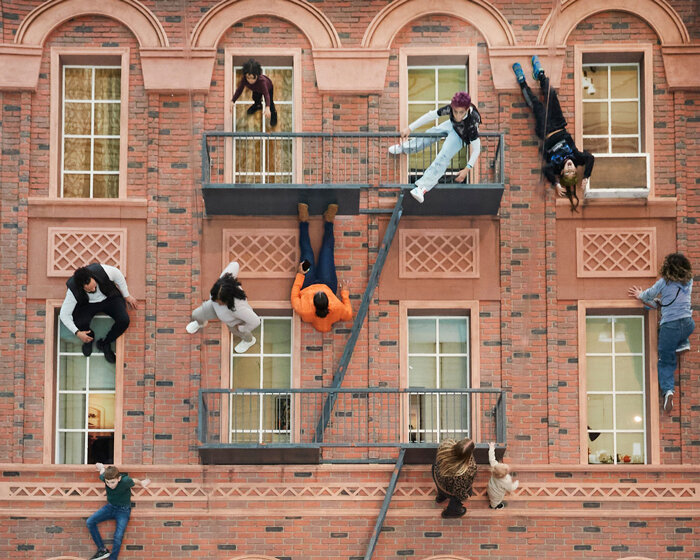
(461, 99)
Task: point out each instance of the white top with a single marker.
(499, 487)
(243, 315)
(69, 303)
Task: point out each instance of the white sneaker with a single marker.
(418, 193)
(668, 401)
(683, 348)
(396, 149)
(194, 326)
(243, 346)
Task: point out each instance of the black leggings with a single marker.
(547, 119)
(257, 99)
(114, 307)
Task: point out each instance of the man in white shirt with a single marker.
(97, 288)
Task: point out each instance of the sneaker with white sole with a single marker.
(418, 193)
(100, 554)
(396, 149)
(668, 401)
(683, 347)
(194, 326)
(243, 346)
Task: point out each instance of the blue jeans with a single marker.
(323, 271)
(671, 336)
(453, 144)
(121, 514)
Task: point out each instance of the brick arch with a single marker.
(479, 13)
(659, 14)
(312, 22)
(138, 18)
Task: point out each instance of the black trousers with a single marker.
(257, 99)
(547, 118)
(114, 307)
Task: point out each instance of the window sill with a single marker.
(121, 208)
(618, 207)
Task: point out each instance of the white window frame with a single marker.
(86, 392)
(92, 136)
(614, 393)
(438, 433)
(260, 430)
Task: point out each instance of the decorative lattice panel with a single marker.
(270, 254)
(70, 248)
(439, 253)
(613, 252)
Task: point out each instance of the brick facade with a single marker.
(528, 302)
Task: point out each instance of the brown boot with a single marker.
(303, 211)
(330, 212)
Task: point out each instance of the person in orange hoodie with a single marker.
(315, 286)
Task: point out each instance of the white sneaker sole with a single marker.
(194, 326)
(418, 195)
(243, 346)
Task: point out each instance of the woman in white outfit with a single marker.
(228, 303)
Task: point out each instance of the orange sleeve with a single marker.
(296, 293)
(347, 307)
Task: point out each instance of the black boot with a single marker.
(254, 108)
(87, 348)
(106, 349)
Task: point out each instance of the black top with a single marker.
(467, 128)
(121, 494)
(107, 287)
(557, 149)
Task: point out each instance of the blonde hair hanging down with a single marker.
(453, 457)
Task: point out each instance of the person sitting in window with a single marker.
(672, 294)
(253, 79)
(229, 304)
(462, 128)
(454, 471)
(560, 153)
(315, 286)
(97, 288)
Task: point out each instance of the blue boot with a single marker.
(520, 76)
(537, 69)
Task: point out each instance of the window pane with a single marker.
(105, 186)
(596, 145)
(76, 186)
(278, 160)
(245, 372)
(629, 412)
(100, 448)
(454, 415)
(631, 446)
(68, 342)
(71, 448)
(623, 82)
(78, 83)
(278, 336)
(246, 122)
(77, 118)
(629, 337)
(454, 373)
(108, 83)
(599, 373)
(595, 118)
(102, 373)
(629, 373)
(71, 411)
(245, 415)
(107, 119)
(421, 372)
(72, 373)
(599, 79)
(416, 111)
(450, 81)
(106, 154)
(421, 84)
(76, 154)
(421, 336)
(101, 325)
(276, 373)
(282, 83)
(453, 336)
(598, 335)
(101, 412)
(600, 412)
(601, 450)
(625, 117)
(625, 145)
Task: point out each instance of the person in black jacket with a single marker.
(560, 153)
(97, 288)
